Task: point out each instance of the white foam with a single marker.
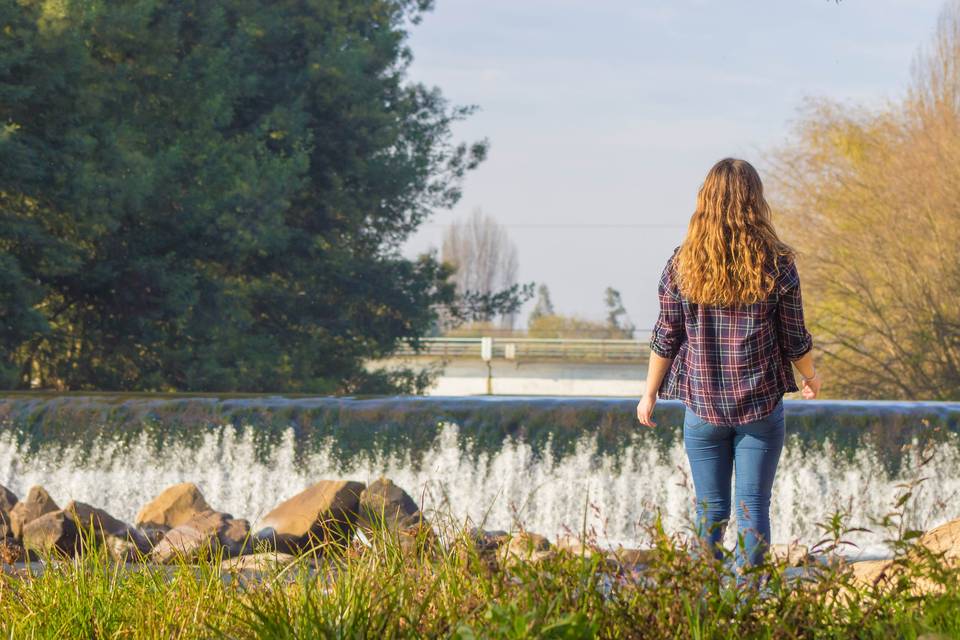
(546, 495)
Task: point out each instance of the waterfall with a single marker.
(554, 465)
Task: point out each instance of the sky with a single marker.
(603, 116)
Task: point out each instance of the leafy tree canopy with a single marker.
(212, 194)
(868, 197)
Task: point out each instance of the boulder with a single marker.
(476, 543)
(53, 532)
(173, 507)
(208, 534)
(944, 540)
(153, 533)
(632, 558)
(122, 541)
(487, 540)
(792, 555)
(575, 546)
(324, 512)
(37, 503)
(260, 562)
(8, 499)
(525, 547)
(384, 502)
(867, 573)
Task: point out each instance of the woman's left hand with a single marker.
(645, 410)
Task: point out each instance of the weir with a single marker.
(551, 464)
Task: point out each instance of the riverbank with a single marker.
(345, 560)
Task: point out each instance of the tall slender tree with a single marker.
(484, 258)
(543, 306)
(617, 318)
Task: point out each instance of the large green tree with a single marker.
(212, 194)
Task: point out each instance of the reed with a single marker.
(428, 586)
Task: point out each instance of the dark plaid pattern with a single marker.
(731, 365)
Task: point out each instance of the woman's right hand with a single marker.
(811, 388)
(645, 409)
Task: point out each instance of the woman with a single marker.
(730, 326)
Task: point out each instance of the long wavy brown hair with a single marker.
(730, 254)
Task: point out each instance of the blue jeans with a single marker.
(753, 449)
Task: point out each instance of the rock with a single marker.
(235, 537)
(945, 540)
(793, 555)
(122, 541)
(173, 507)
(490, 539)
(8, 499)
(477, 544)
(384, 502)
(632, 558)
(526, 547)
(208, 533)
(324, 512)
(153, 533)
(261, 562)
(573, 545)
(52, 532)
(37, 503)
(488, 542)
(868, 573)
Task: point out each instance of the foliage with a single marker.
(413, 586)
(212, 195)
(869, 200)
(559, 326)
(543, 305)
(617, 318)
(485, 262)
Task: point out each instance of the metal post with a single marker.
(486, 352)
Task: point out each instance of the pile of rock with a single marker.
(179, 524)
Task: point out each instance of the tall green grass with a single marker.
(400, 586)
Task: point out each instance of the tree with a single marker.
(617, 318)
(560, 326)
(484, 260)
(546, 323)
(543, 306)
(212, 194)
(869, 200)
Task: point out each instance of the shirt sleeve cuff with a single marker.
(802, 350)
(661, 350)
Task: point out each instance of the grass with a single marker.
(411, 587)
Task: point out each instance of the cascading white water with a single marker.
(615, 497)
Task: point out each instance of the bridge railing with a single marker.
(581, 349)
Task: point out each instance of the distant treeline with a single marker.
(211, 194)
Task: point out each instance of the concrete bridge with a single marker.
(530, 366)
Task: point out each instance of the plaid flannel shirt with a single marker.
(731, 365)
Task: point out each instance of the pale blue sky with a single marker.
(610, 112)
